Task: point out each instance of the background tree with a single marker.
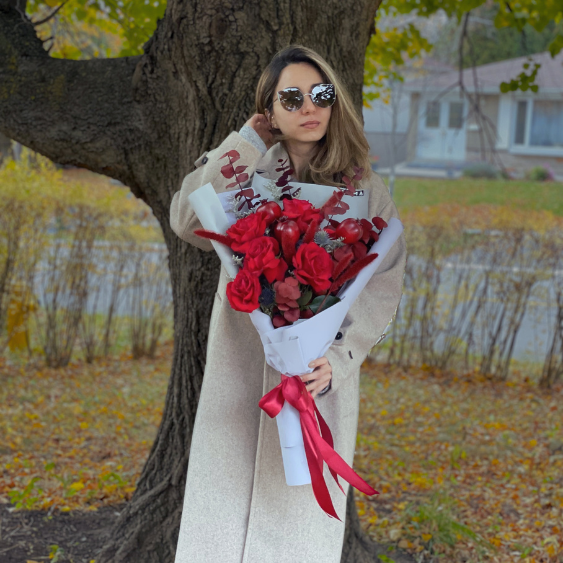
(536, 24)
(490, 43)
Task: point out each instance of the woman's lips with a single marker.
(311, 125)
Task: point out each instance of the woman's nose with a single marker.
(308, 105)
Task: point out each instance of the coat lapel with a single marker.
(269, 162)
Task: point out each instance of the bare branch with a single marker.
(51, 15)
(486, 127)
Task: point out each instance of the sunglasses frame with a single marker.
(312, 94)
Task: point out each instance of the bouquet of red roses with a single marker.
(294, 258)
(296, 269)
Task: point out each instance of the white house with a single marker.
(387, 123)
(524, 128)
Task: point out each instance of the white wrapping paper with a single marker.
(289, 349)
(209, 211)
(313, 193)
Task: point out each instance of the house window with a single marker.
(432, 115)
(538, 124)
(519, 134)
(455, 118)
(546, 129)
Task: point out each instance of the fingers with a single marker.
(262, 126)
(319, 373)
(318, 362)
(317, 386)
(320, 378)
(260, 120)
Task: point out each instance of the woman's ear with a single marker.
(270, 118)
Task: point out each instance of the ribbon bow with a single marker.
(319, 445)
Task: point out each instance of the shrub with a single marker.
(482, 170)
(540, 174)
(59, 241)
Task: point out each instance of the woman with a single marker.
(237, 506)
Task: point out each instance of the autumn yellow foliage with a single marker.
(36, 188)
(456, 217)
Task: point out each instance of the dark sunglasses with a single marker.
(292, 99)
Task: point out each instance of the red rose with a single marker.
(309, 215)
(294, 208)
(247, 229)
(313, 266)
(260, 257)
(244, 291)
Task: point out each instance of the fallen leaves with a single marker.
(78, 437)
(467, 468)
(463, 466)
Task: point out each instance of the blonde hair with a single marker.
(344, 145)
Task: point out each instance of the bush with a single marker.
(540, 174)
(482, 170)
(463, 304)
(59, 242)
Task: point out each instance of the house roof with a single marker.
(489, 76)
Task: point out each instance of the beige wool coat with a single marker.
(237, 505)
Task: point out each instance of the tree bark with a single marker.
(359, 548)
(144, 120)
(5, 148)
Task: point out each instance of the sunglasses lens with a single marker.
(324, 95)
(291, 99)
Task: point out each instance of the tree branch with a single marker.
(74, 112)
(51, 15)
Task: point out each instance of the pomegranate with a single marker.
(350, 230)
(270, 210)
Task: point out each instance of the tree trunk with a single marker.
(359, 548)
(144, 120)
(5, 148)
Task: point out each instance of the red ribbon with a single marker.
(317, 438)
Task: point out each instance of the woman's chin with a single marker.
(308, 135)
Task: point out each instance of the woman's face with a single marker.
(309, 123)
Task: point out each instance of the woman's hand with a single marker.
(260, 124)
(320, 378)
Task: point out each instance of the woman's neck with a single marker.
(299, 154)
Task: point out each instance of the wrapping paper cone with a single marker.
(289, 352)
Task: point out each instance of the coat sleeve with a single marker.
(376, 306)
(182, 218)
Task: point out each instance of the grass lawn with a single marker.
(419, 192)
(462, 466)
